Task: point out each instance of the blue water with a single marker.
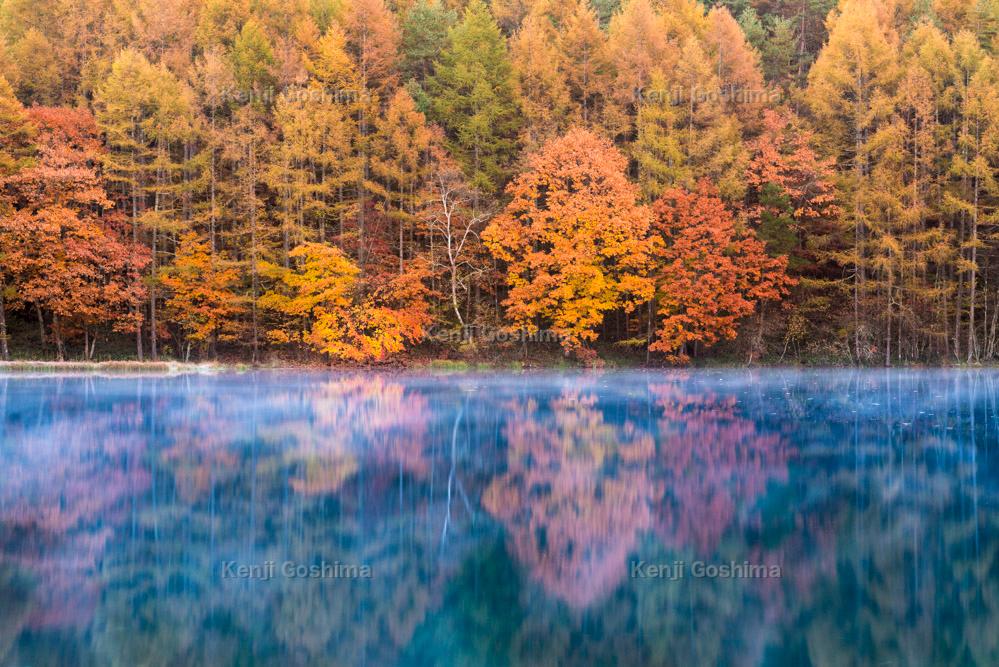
(501, 519)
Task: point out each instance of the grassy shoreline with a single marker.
(43, 367)
(112, 367)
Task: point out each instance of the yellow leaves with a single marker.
(330, 65)
(539, 71)
(859, 63)
(323, 301)
(573, 237)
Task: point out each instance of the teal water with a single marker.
(501, 519)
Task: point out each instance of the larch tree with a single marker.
(849, 93)
(248, 143)
(638, 45)
(474, 100)
(398, 164)
(684, 132)
(38, 68)
(573, 238)
(253, 61)
(588, 67)
(307, 165)
(125, 107)
(16, 133)
(171, 127)
(916, 310)
(736, 65)
(975, 195)
(334, 77)
(658, 151)
(710, 136)
(372, 39)
(165, 30)
(219, 22)
(510, 13)
(214, 82)
(539, 73)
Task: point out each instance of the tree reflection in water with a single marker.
(575, 494)
(499, 515)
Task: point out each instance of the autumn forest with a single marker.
(770, 181)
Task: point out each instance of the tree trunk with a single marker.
(4, 351)
(255, 279)
(973, 282)
(135, 239)
(454, 294)
(153, 352)
(60, 354)
(41, 325)
(153, 338)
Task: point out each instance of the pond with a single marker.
(762, 517)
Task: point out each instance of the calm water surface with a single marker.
(501, 519)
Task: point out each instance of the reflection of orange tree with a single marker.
(324, 430)
(200, 453)
(574, 497)
(64, 490)
(712, 462)
(352, 412)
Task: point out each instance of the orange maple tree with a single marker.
(574, 240)
(204, 297)
(711, 271)
(72, 260)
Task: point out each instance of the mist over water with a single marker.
(834, 517)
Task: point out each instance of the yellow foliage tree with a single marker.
(324, 307)
(574, 240)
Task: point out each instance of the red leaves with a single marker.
(711, 272)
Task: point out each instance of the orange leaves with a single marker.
(324, 304)
(204, 301)
(573, 238)
(61, 246)
(577, 246)
(710, 273)
(783, 156)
